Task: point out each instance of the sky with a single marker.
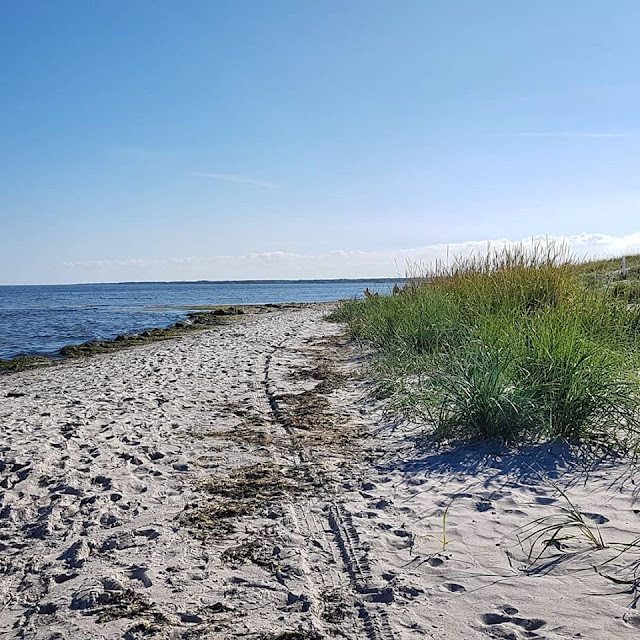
(249, 139)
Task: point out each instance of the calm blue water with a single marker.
(42, 319)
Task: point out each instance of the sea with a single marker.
(41, 319)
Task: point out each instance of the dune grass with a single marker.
(522, 344)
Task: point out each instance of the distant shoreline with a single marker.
(187, 282)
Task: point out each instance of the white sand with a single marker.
(108, 466)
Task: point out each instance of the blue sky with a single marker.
(327, 138)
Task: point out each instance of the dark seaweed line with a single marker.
(196, 321)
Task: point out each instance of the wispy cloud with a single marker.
(235, 178)
(334, 264)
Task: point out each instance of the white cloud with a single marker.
(234, 178)
(335, 264)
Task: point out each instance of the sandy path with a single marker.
(238, 483)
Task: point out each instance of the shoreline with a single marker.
(201, 317)
(387, 280)
(243, 483)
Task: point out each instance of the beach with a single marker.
(241, 482)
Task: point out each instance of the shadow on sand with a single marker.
(530, 464)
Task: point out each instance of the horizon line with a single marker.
(247, 281)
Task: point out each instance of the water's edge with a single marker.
(40, 320)
(192, 322)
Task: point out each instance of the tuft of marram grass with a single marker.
(517, 345)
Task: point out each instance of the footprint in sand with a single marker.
(507, 616)
(77, 554)
(632, 621)
(108, 520)
(595, 517)
(103, 481)
(150, 534)
(141, 574)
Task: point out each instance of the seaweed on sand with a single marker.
(292, 635)
(259, 549)
(244, 491)
(128, 604)
(195, 322)
(329, 379)
(20, 363)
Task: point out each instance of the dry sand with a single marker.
(238, 483)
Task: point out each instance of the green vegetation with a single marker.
(12, 365)
(523, 344)
(557, 529)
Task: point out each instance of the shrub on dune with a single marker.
(517, 345)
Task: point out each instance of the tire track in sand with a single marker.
(337, 534)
